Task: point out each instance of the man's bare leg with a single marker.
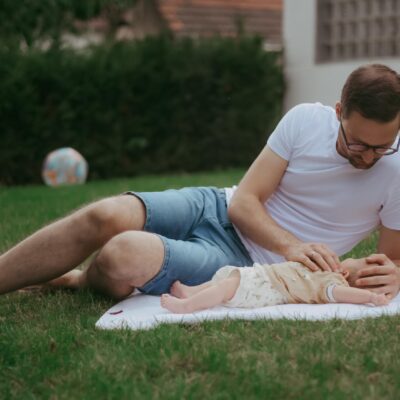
(71, 280)
(61, 246)
(74, 279)
(128, 260)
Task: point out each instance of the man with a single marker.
(326, 179)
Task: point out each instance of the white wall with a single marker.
(307, 81)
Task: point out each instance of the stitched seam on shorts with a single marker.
(240, 245)
(232, 237)
(221, 194)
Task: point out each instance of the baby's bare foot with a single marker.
(379, 299)
(180, 290)
(173, 304)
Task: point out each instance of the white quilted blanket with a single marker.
(141, 311)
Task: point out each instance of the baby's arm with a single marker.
(212, 295)
(344, 294)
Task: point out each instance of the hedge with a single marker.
(26, 21)
(150, 106)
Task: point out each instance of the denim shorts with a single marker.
(198, 237)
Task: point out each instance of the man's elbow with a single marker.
(232, 211)
(236, 209)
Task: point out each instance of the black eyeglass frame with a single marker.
(386, 151)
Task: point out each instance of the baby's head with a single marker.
(354, 263)
(350, 266)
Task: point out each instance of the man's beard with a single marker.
(358, 163)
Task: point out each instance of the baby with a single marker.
(268, 285)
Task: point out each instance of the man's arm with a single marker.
(248, 213)
(384, 275)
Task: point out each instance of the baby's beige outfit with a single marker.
(287, 282)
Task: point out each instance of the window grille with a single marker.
(351, 29)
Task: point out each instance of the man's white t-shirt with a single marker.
(322, 198)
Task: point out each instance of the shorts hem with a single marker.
(146, 206)
(149, 286)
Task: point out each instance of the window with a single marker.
(351, 29)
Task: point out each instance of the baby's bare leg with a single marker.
(344, 294)
(182, 291)
(212, 295)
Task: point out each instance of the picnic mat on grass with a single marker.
(141, 311)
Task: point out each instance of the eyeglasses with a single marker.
(360, 147)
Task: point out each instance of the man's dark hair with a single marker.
(373, 91)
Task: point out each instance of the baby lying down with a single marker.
(269, 285)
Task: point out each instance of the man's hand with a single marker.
(380, 276)
(315, 256)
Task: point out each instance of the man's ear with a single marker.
(338, 109)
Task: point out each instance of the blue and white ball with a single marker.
(64, 166)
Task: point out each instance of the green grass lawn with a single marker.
(49, 347)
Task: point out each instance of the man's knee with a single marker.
(114, 215)
(134, 257)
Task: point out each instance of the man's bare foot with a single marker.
(379, 299)
(174, 304)
(70, 280)
(31, 289)
(180, 290)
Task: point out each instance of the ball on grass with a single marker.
(64, 166)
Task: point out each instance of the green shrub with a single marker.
(25, 21)
(150, 106)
